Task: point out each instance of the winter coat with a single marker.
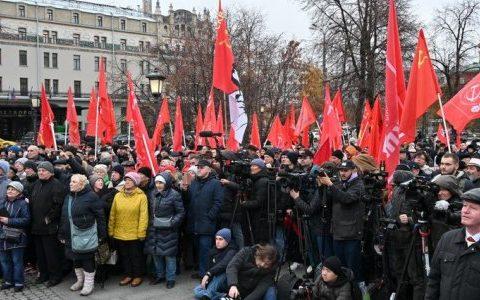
(28, 183)
(4, 181)
(251, 281)
(341, 290)
(128, 219)
(442, 221)
(206, 196)
(348, 209)
(320, 215)
(256, 205)
(229, 202)
(19, 217)
(218, 260)
(46, 203)
(86, 209)
(165, 204)
(455, 269)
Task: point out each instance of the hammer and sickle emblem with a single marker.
(473, 94)
(421, 58)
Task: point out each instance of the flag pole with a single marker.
(66, 128)
(171, 130)
(447, 135)
(150, 162)
(54, 139)
(96, 126)
(129, 133)
(225, 117)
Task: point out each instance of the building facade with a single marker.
(59, 43)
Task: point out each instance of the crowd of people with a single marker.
(233, 220)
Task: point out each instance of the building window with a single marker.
(147, 46)
(99, 21)
(76, 39)
(46, 59)
(22, 33)
(123, 25)
(50, 14)
(97, 63)
(23, 57)
(76, 62)
(140, 64)
(0, 56)
(140, 46)
(21, 10)
(47, 85)
(1, 81)
(104, 60)
(123, 45)
(104, 42)
(123, 65)
(24, 86)
(54, 37)
(55, 60)
(55, 86)
(165, 27)
(96, 41)
(46, 36)
(148, 66)
(77, 89)
(144, 27)
(75, 18)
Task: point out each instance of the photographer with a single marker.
(347, 215)
(446, 213)
(403, 212)
(319, 209)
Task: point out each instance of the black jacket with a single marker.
(218, 260)
(455, 269)
(348, 209)
(86, 209)
(319, 210)
(256, 205)
(45, 206)
(251, 281)
(228, 205)
(442, 221)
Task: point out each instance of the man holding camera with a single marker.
(455, 268)
(348, 212)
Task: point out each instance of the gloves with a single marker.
(442, 205)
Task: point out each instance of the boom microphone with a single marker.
(209, 134)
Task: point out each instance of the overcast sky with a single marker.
(282, 16)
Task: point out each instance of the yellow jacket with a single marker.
(129, 216)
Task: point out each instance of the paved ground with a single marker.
(182, 291)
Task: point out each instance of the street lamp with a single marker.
(35, 105)
(156, 80)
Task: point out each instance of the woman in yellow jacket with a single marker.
(128, 226)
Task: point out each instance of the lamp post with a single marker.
(35, 101)
(156, 80)
(262, 111)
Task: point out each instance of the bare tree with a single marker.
(351, 38)
(456, 39)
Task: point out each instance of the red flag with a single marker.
(331, 137)
(394, 95)
(306, 117)
(223, 56)
(290, 124)
(107, 127)
(306, 138)
(255, 133)
(441, 134)
(162, 119)
(375, 134)
(46, 136)
(143, 144)
(210, 121)
(464, 106)
(365, 125)
(338, 104)
(422, 92)
(199, 127)
(178, 133)
(92, 114)
(276, 134)
(219, 127)
(72, 119)
(232, 143)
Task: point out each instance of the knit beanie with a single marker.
(225, 233)
(119, 169)
(5, 166)
(30, 165)
(22, 160)
(145, 171)
(448, 182)
(47, 166)
(338, 154)
(269, 153)
(333, 264)
(93, 178)
(293, 157)
(258, 162)
(16, 185)
(133, 176)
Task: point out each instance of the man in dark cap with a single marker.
(455, 267)
(129, 166)
(205, 195)
(348, 212)
(305, 160)
(337, 157)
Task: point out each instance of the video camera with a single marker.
(238, 163)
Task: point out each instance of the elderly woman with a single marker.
(128, 226)
(162, 239)
(101, 171)
(13, 236)
(82, 211)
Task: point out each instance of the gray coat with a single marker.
(165, 204)
(348, 209)
(455, 269)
